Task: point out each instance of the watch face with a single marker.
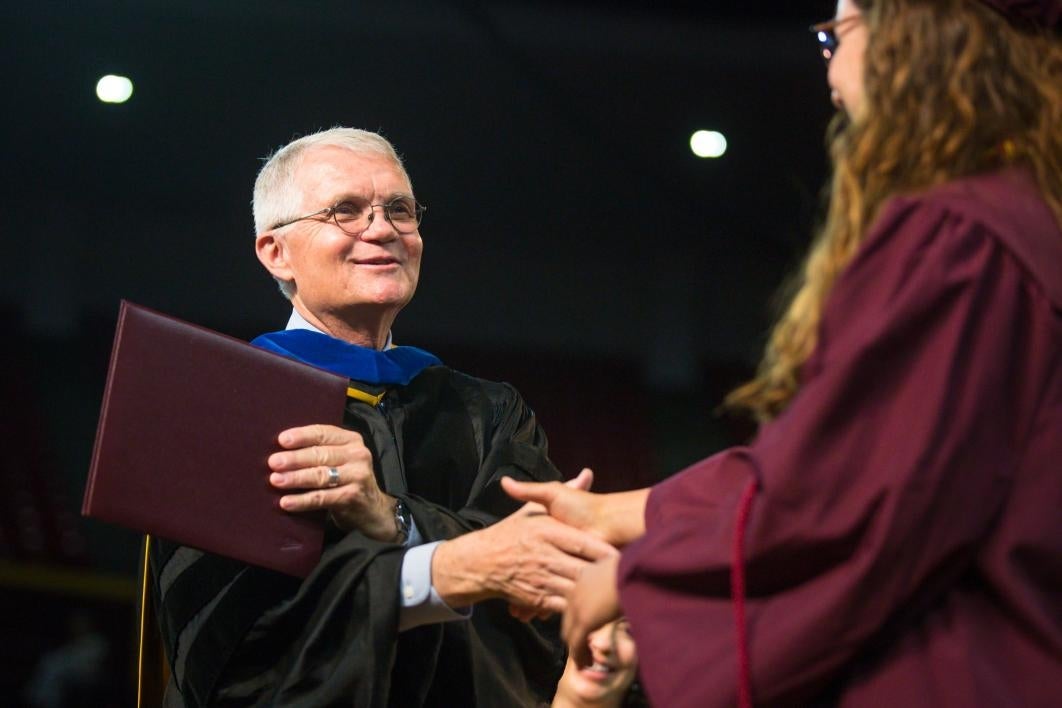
(403, 520)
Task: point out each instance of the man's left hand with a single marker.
(350, 494)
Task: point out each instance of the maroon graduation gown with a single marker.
(903, 539)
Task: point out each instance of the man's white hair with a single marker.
(277, 197)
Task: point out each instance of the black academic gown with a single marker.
(238, 635)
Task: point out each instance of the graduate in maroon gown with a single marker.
(893, 535)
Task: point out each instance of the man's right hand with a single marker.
(528, 558)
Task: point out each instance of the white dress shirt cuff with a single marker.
(420, 604)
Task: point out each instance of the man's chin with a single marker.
(385, 296)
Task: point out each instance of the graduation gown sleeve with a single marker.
(874, 491)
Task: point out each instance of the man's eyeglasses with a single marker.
(826, 34)
(404, 213)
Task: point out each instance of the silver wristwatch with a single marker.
(403, 521)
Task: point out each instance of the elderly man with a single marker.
(410, 484)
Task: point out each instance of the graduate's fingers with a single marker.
(565, 570)
(582, 481)
(580, 543)
(318, 434)
(569, 503)
(542, 493)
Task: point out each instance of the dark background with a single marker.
(573, 244)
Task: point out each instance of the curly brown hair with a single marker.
(951, 90)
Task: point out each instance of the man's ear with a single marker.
(272, 252)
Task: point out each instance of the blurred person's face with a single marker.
(615, 664)
(845, 74)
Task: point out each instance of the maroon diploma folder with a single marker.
(189, 418)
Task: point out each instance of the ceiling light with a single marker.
(114, 89)
(708, 143)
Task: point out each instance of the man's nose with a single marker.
(380, 227)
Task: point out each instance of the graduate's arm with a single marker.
(862, 504)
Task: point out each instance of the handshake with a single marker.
(558, 553)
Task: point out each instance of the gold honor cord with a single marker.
(141, 630)
(364, 397)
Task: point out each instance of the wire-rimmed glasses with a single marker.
(404, 213)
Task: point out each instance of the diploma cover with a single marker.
(188, 420)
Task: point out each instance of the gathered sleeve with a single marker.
(510, 443)
(870, 493)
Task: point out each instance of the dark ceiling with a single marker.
(572, 239)
(549, 140)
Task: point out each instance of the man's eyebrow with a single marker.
(349, 197)
(352, 197)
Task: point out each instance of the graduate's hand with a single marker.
(616, 518)
(593, 603)
(354, 499)
(572, 505)
(527, 558)
(583, 481)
